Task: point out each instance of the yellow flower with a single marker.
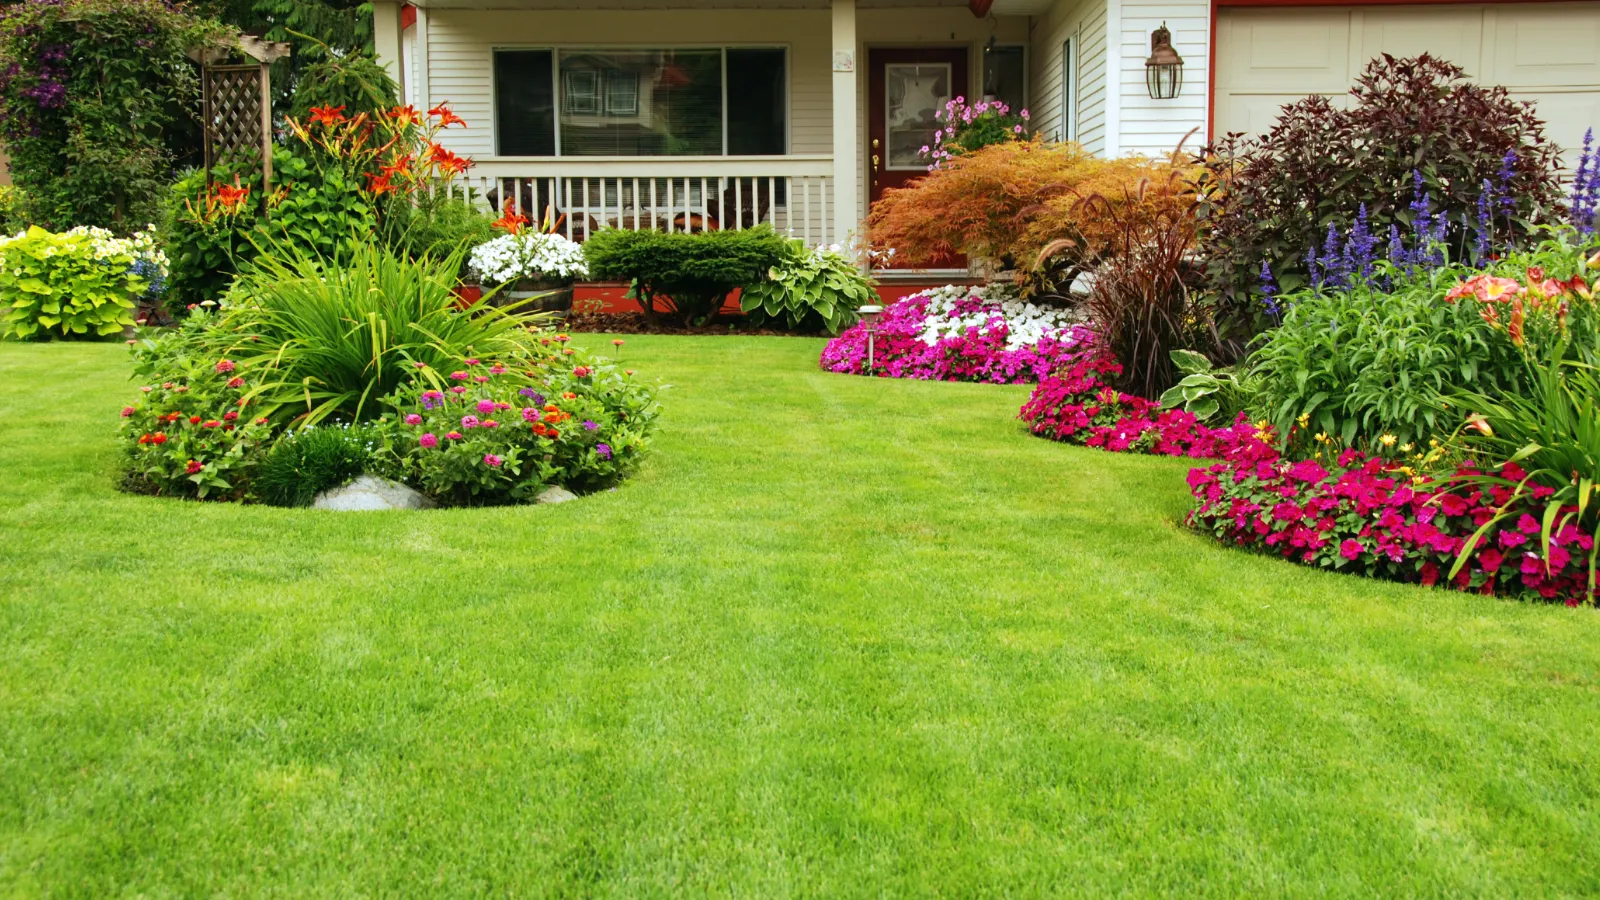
(1304, 420)
(1322, 437)
(1387, 440)
(1406, 447)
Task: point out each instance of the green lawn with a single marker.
(839, 637)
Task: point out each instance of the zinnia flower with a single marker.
(453, 435)
(193, 466)
(127, 411)
(428, 440)
(590, 424)
(469, 421)
(225, 366)
(159, 438)
(486, 406)
(489, 459)
(413, 419)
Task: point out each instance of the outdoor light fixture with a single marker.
(869, 322)
(1163, 71)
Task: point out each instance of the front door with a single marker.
(905, 87)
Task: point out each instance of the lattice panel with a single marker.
(233, 115)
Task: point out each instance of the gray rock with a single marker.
(555, 495)
(369, 492)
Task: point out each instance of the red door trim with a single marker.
(1211, 55)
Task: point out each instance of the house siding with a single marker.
(1085, 22)
(1155, 127)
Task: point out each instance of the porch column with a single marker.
(846, 124)
(386, 40)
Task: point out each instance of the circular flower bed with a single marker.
(955, 333)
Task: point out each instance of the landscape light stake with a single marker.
(869, 321)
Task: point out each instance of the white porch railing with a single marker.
(792, 193)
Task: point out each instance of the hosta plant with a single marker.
(810, 290)
(1210, 393)
(80, 283)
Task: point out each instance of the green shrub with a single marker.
(304, 463)
(332, 339)
(11, 206)
(435, 225)
(97, 106)
(1362, 363)
(84, 282)
(353, 81)
(689, 275)
(809, 291)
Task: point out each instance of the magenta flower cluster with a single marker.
(901, 348)
(1078, 404)
(1364, 516)
(1358, 514)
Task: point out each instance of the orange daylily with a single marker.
(512, 222)
(405, 115)
(327, 115)
(445, 116)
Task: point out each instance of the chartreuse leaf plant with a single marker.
(81, 283)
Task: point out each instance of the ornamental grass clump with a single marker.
(332, 340)
(955, 333)
(307, 462)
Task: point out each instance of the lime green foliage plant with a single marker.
(81, 283)
(687, 275)
(810, 290)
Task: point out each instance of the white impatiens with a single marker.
(953, 309)
(531, 256)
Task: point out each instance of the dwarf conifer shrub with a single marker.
(685, 275)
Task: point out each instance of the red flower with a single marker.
(194, 420)
(230, 416)
(159, 438)
(235, 382)
(193, 466)
(144, 438)
(224, 366)
(379, 184)
(127, 411)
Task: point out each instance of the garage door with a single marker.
(1543, 52)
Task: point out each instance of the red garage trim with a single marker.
(1216, 5)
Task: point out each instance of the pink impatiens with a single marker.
(958, 334)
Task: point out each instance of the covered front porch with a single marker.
(701, 115)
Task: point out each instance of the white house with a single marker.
(676, 113)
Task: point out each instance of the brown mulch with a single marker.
(637, 323)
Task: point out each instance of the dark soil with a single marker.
(637, 323)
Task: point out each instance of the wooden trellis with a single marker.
(236, 110)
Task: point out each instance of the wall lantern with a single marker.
(1163, 71)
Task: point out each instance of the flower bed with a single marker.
(1077, 404)
(1364, 515)
(1351, 513)
(959, 334)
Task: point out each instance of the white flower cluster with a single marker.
(1026, 323)
(513, 257)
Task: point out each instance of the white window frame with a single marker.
(556, 50)
(1069, 88)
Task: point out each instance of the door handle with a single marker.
(874, 162)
